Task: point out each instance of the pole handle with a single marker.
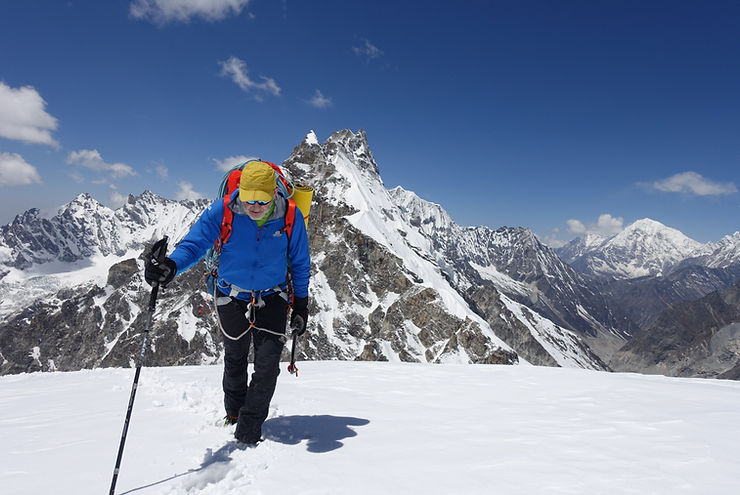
(157, 255)
(297, 323)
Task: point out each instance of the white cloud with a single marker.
(23, 116)
(552, 240)
(117, 199)
(229, 162)
(162, 171)
(693, 183)
(164, 11)
(367, 50)
(15, 171)
(606, 225)
(186, 192)
(575, 226)
(78, 178)
(236, 69)
(319, 100)
(92, 160)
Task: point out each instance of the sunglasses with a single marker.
(255, 202)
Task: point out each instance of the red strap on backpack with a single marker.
(290, 218)
(232, 184)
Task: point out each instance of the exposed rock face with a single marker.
(487, 302)
(121, 273)
(514, 262)
(698, 338)
(91, 326)
(59, 334)
(645, 298)
(369, 304)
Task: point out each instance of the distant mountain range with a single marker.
(648, 267)
(647, 248)
(393, 278)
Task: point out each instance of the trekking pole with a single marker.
(298, 323)
(156, 255)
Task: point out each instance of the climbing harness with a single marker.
(255, 302)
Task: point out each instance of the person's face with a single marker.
(256, 210)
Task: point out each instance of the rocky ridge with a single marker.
(374, 294)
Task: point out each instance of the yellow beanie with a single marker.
(257, 182)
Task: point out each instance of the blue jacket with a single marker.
(254, 258)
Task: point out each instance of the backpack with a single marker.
(229, 184)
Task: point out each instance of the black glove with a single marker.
(299, 318)
(162, 273)
(158, 267)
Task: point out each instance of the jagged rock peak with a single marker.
(346, 136)
(729, 240)
(420, 211)
(355, 146)
(517, 236)
(311, 139)
(147, 194)
(149, 198)
(722, 254)
(28, 216)
(83, 201)
(580, 246)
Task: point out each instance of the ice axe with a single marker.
(297, 325)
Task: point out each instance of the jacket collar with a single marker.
(281, 207)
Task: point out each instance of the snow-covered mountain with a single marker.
(351, 198)
(381, 287)
(647, 248)
(724, 253)
(643, 248)
(513, 262)
(580, 246)
(84, 228)
(664, 282)
(40, 255)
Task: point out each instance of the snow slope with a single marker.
(375, 428)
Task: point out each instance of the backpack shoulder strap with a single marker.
(232, 184)
(290, 218)
(289, 222)
(226, 220)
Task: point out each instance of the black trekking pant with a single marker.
(250, 400)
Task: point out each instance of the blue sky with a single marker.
(565, 117)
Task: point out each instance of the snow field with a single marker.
(375, 428)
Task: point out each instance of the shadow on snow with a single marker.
(323, 434)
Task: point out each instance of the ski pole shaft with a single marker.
(134, 387)
(159, 256)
